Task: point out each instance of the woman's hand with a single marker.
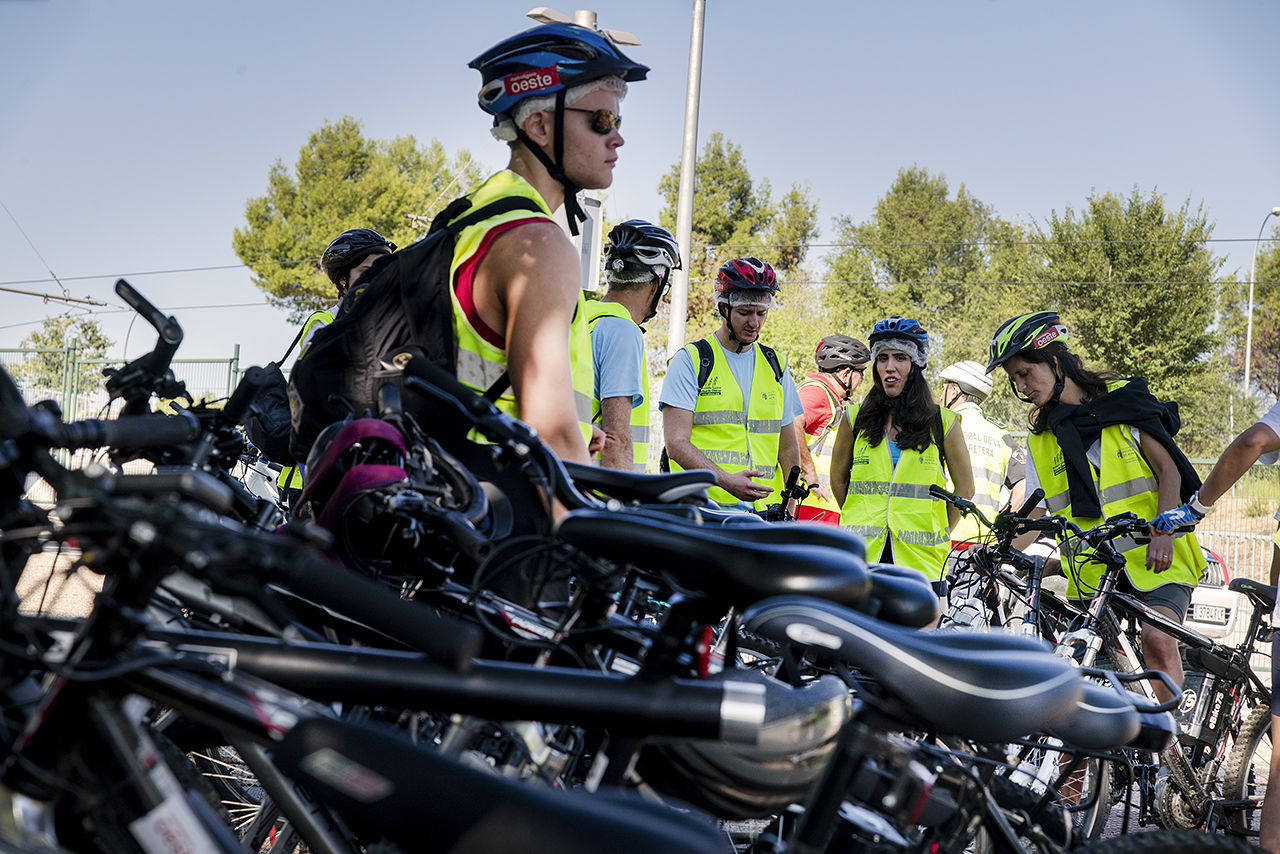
(1159, 551)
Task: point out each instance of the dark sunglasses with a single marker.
(602, 121)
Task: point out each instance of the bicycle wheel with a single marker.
(1086, 794)
(1168, 841)
(1248, 768)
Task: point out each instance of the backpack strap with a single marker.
(496, 208)
(706, 358)
(771, 357)
(296, 339)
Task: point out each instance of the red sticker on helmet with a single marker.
(1050, 335)
(531, 81)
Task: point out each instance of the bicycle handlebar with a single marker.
(132, 431)
(452, 642)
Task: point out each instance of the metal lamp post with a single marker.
(684, 201)
(1248, 330)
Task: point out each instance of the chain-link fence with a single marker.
(76, 384)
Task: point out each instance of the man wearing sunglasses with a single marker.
(554, 93)
(841, 361)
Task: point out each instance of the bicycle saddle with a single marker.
(900, 595)
(425, 801)
(984, 686)
(632, 487)
(736, 565)
(1102, 720)
(1263, 594)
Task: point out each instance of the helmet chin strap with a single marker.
(733, 336)
(573, 211)
(1061, 382)
(657, 298)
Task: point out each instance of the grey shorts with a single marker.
(1174, 596)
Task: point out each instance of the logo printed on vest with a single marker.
(531, 81)
(711, 388)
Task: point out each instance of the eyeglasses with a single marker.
(859, 371)
(602, 121)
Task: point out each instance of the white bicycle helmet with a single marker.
(971, 377)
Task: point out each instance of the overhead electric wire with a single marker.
(52, 275)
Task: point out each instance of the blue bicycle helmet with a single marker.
(549, 60)
(899, 327)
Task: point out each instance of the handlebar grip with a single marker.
(452, 642)
(1032, 502)
(133, 431)
(170, 331)
(242, 398)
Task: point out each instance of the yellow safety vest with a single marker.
(734, 435)
(894, 501)
(597, 309)
(1125, 484)
(291, 476)
(820, 448)
(989, 454)
(480, 363)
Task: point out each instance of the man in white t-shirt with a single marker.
(1259, 444)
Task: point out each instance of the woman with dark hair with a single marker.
(1101, 446)
(888, 452)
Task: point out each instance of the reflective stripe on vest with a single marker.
(894, 501)
(737, 435)
(479, 363)
(989, 454)
(639, 414)
(1126, 484)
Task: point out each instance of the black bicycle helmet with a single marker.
(840, 351)
(349, 249)
(639, 251)
(548, 60)
(1032, 331)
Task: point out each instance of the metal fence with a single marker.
(76, 383)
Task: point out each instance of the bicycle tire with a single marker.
(1166, 841)
(1248, 767)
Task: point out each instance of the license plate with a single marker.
(1211, 614)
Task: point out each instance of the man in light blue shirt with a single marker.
(738, 422)
(638, 266)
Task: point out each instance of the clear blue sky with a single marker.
(132, 133)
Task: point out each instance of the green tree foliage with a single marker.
(342, 180)
(1264, 368)
(734, 216)
(47, 370)
(1138, 286)
(949, 262)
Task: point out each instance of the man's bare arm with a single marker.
(529, 281)
(615, 418)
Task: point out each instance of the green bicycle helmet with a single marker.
(1032, 331)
